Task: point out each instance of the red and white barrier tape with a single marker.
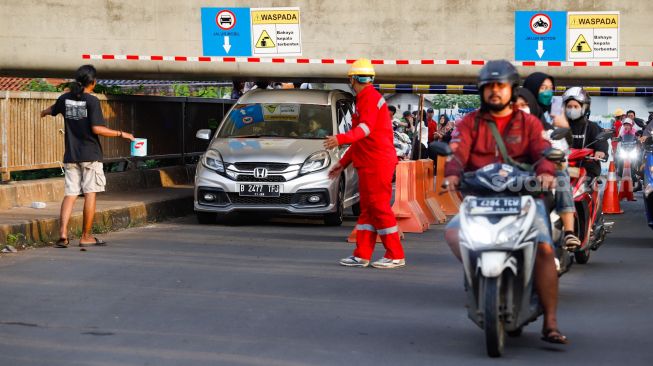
(276, 60)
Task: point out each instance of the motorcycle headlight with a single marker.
(480, 235)
(316, 162)
(623, 154)
(510, 233)
(633, 153)
(213, 160)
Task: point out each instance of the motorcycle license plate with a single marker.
(259, 190)
(495, 206)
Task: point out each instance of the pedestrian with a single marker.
(84, 172)
(373, 154)
(444, 129)
(408, 120)
(431, 124)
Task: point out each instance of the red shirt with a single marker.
(502, 122)
(475, 147)
(433, 127)
(371, 136)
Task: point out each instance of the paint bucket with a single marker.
(139, 147)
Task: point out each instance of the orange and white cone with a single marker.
(611, 205)
(626, 189)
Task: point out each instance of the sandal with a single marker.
(98, 243)
(62, 243)
(554, 336)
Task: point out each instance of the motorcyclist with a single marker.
(576, 103)
(474, 146)
(638, 121)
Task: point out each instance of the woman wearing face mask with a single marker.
(576, 103)
(563, 197)
(542, 86)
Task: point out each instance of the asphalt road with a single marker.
(271, 293)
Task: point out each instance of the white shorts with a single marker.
(85, 177)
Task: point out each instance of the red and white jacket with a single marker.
(371, 136)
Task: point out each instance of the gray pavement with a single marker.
(271, 293)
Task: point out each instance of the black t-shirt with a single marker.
(80, 115)
(584, 132)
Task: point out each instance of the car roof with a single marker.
(299, 96)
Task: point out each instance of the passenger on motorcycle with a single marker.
(576, 103)
(563, 195)
(474, 147)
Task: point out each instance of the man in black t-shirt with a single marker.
(83, 153)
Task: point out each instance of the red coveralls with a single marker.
(373, 154)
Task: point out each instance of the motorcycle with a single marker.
(588, 198)
(628, 150)
(498, 247)
(540, 23)
(402, 145)
(648, 179)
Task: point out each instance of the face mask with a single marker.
(525, 109)
(545, 97)
(573, 113)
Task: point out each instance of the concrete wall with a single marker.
(42, 38)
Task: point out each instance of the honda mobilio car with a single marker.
(267, 155)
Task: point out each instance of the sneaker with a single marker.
(352, 261)
(557, 261)
(571, 242)
(386, 263)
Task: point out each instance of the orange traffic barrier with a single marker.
(626, 189)
(611, 205)
(410, 217)
(420, 188)
(449, 201)
(431, 198)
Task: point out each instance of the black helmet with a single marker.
(498, 71)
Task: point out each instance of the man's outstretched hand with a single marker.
(331, 142)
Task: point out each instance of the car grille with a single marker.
(283, 199)
(272, 167)
(268, 179)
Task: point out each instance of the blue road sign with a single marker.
(226, 32)
(540, 35)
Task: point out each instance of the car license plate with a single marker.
(495, 206)
(259, 190)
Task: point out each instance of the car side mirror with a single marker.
(559, 133)
(203, 134)
(554, 155)
(439, 149)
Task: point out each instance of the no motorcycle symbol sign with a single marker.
(541, 24)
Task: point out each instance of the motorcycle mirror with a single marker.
(605, 135)
(439, 148)
(559, 133)
(554, 155)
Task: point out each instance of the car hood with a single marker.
(274, 150)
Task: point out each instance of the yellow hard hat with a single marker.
(362, 67)
(619, 112)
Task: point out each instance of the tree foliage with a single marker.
(443, 101)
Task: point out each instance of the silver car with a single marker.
(268, 156)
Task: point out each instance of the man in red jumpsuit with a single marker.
(373, 154)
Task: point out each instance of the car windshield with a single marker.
(283, 120)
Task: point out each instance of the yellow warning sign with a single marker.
(270, 16)
(264, 40)
(581, 45)
(593, 21)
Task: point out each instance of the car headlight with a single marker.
(316, 162)
(213, 160)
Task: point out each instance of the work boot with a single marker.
(352, 261)
(386, 263)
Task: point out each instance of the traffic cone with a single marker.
(611, 204)
(626, 189)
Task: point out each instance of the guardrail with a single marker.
(29, 142)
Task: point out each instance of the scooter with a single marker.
(498, 247)
(402, 145)
(648, 179)
(588, 197)
(628, 150)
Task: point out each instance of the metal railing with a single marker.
(29, 142)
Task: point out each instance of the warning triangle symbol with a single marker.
(264, 40)
(581, 45)
(271, 108)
